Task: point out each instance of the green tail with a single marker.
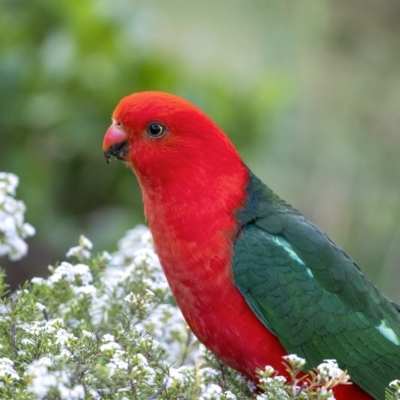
(311, 294)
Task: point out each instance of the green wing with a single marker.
(311, 295)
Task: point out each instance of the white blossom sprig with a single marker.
(13, 229)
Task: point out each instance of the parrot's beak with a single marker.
(115, 143)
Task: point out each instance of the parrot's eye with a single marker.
(156, 130)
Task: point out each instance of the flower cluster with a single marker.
(82, 251)
(101, 327)
(316, 385)
(13, 229)
(7, 371)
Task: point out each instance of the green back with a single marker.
(311, 294)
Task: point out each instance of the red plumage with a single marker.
(190, 208)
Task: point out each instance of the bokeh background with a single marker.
(308, 91)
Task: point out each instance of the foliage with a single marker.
(88, 331)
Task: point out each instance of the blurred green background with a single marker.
(308, 91)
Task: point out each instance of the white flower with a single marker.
(41, 380)
(78, 252)
(177, 376)
(26, 341)
(85, 243)
(38, 280)
(135, 239)
(81, 252)
(13, 229)
(8, 183)
(34, 329)
(211, 392)
(53, 325)
(88, 334)
(75, 393)
(269, 370)
(117, 362)
(132, 298)
(141, 360)
(109, 347)
(64, 338)
(7, 369)
(108, 338)
(27, 230)
(324, 392)
(70, 273)
(329, 369)
(293, 359)
(396, 385)
(88, 290)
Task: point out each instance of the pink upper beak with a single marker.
(115, 143)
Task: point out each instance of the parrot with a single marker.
(255, 280)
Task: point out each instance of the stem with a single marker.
(156, 393)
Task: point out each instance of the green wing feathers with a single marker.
(311, 295)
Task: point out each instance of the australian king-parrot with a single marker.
(254, 279)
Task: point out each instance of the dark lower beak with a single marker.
(115, 143)
(118, 150)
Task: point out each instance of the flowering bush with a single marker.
(12, 227)
(104, 326)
